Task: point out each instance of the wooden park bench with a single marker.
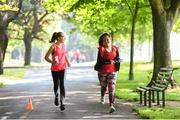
(159, 85)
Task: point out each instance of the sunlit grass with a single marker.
(140, 79)
(126, 89)
(173, 94)
(11, 74)
(131, 95)
(159, 113)
(142, 76)
(1, 85)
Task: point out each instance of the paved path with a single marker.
(82, 97)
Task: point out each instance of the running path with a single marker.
(82, 97)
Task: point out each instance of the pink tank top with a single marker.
(59, 54)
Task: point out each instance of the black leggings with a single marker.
(58, 79)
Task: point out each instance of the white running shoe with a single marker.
(102, 100)
(112, 109)
(62, 98)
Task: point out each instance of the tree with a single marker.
(134, 14)
(117, 16)
(164, 16)
(8, 13)
(33, 20)
(96, 17)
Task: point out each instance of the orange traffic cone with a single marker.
(29, 105)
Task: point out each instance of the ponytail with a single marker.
(55, 36)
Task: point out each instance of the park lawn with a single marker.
(159, 113)
(1, 85)
(125, 88)
(11, 74)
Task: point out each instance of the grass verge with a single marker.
(125, 89)
(11, 74)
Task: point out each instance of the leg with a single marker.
(56, 82)
(103, 83)
(111, 87)
(62, 88)
(61, 83)
(103, 90)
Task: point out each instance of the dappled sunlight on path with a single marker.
(82, 97)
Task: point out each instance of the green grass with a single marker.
(159, 113)
(1, 85)
(11, 74)
(125, 88)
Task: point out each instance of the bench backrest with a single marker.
(163, 78)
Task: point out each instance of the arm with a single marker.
(99, 58)
(68, 63)
(48, 54)
(117, 58)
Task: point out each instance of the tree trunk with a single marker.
(27, 42)
(30, 32)
(131, 74)
(161, 48)
(162, 25)
(3, 47)
(5, 19)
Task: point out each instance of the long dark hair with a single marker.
(101, 38)
(55, 36)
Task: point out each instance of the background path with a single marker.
(82, 97)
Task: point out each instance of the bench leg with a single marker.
(153, 98)
(158, 98)
(163, 98)
(145, 99)
(140, 95)
(149, 98)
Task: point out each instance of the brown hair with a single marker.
(55, 36)
(101, 38)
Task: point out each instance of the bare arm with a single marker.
(67, 61)
(48, 54)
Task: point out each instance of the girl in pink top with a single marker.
(59, 63)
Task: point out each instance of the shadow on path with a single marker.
(82, 97)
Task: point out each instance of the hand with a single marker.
(54, 62)
(69, 65)
(112, 61)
